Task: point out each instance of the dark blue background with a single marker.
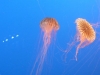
(22, 17)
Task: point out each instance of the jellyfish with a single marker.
(48, 26)
(85, 34)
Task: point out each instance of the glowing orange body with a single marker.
(86, 34)
(48, 25)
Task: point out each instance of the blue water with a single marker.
(23, 17)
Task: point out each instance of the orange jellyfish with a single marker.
(85, 34)
(48, 26)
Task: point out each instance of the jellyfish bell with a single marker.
(86, 34)
(49, 24)
(85, 31)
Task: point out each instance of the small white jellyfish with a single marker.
(3, 41)
(6, 40)
(12, 37)
(17, 35)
